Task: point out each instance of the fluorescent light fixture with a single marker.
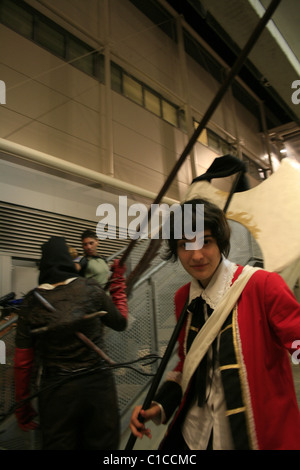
(260, 10)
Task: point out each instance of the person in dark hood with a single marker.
(60, 328)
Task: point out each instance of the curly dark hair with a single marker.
(88, 233)
(214, 220)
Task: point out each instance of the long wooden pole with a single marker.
(211, 109)
(235, 69)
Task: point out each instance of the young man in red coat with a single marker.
(233, 386)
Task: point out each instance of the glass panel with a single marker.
(182, 120)
(213, 141)
(50, 38)
(116, 78)
(132, 89)
(100, 67)
(170, 113)
(152, 102)
(81, 56)
(225, 147)
(203, 137)
(17, 18)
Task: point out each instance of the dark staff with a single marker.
(235, 69)
(211, 109)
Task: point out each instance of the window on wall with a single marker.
(182, 122)
(81, 56)
(116, 74)
(16, 18)
(203, 135)
(213, 141)
(132, 89)
(30, 23)
(169, 113)
(99, 65)
(50, 38)
(152, 102)
(142, 94)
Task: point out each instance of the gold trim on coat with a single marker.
(244, 381)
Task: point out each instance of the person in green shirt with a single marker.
(93, 265)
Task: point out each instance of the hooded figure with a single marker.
(56, 264)
(77, 399)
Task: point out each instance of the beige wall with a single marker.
(55, 108)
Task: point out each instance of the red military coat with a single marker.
(266, 323)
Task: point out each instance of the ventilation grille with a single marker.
(23, 230)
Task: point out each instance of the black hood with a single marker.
(56, 264)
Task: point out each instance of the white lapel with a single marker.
(212, 326)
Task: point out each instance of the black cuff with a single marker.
(169, 397)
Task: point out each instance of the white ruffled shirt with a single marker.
(200, 422)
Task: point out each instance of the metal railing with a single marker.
(151, 322)
(150, 326)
